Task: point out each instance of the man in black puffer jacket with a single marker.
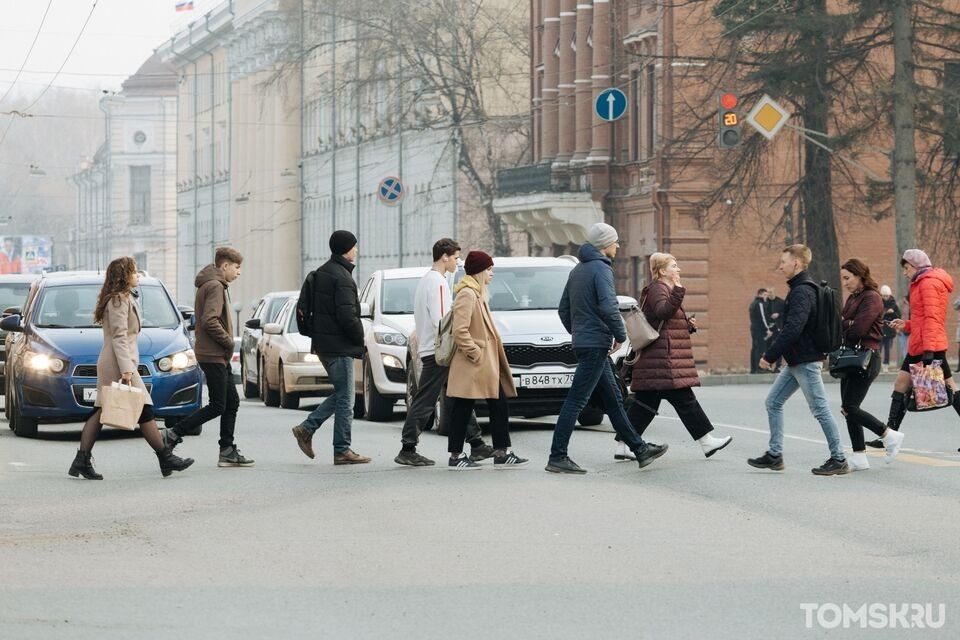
(795, 344)
(329, 312)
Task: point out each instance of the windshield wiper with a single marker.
(54, 326)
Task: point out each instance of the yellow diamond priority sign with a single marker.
(767, 117)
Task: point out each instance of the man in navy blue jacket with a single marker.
(795, 344)
(589, 311)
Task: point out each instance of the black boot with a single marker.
(83, 466)
(170, 463)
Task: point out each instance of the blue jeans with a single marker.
(340, 404)
(806, 377)
(594, 371)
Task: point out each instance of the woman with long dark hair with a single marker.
(862, 327)
(117, 310)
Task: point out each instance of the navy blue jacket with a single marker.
(588, 308)
(795, 343)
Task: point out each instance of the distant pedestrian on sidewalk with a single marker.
(759, 329)
(862, 322)
(804, 366)
(433, 299)
(479, 369)
(214, 348)
(329, 312)
(891, 312)
(117, 310)
(590, 313)
(666, 369)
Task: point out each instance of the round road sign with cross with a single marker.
(390, 190)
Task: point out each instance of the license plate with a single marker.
(90, 395)
(546, 381)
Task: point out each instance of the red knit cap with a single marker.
(476, 262)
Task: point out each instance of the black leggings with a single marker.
(852, 392)
(460, 416)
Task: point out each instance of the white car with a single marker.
(386, 309)
(524, 296)
(264, 310)
(288, 370)
(235, 360)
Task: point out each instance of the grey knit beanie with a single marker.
(602, 235)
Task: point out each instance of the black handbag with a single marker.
(848, 362)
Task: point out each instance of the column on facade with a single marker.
(602, 77)
(567, 112)
(549, 106)
(536, 85)
(583, 82)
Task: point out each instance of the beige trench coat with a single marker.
(120, 354)
(479, 368)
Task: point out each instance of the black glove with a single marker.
(927, 358)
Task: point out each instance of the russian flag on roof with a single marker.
(184, 5)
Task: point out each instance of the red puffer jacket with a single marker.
(929, 297)
(667, 362)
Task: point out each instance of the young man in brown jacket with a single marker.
(214, 348)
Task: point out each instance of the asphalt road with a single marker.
(294, 548)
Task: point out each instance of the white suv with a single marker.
(386, 310)
(524, 296)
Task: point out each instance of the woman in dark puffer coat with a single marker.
(666, 370)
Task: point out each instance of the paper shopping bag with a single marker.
(121, 405)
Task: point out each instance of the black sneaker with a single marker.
(462, 462)
(832, 467)
(413, 459)
(650, 453)
(876, 444)
(767, 461)
(509, 459)
(564, 465)
(230, 457)
(480, 452)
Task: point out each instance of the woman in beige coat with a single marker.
(479, 369)
(117, 310)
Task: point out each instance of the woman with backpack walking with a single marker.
(479, 369)
(862, 322)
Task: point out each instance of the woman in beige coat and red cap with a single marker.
(479, 369)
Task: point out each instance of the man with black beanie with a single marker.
(329, 312)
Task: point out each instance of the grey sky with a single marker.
(120, 36)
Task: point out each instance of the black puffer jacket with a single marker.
(795, 343)
(330, 310)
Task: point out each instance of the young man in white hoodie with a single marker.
(433, 299)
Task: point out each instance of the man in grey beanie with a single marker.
(589, 311)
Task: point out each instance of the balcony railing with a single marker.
(534, 178)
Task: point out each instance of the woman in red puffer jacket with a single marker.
(666, 370)
(930, 290)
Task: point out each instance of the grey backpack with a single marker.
(445, 346)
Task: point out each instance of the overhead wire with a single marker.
(29, 51)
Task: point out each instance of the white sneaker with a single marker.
(892, 442)
(858, 461)
(711, 444)
(623, 453)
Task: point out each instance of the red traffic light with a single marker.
(728, 101)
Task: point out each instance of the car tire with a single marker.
(22, 426)
(250, 389)
(439, 422)
(287, 400)
(591, 416)
(376, 407)
(6, 402)
(270, 397)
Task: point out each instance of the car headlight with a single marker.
(41, 362)
(311, 357)
(178, 361)
(389, 337)
(391, 361)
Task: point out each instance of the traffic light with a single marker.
(729, 135)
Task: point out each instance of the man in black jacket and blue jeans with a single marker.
(795, 344)
(329, 312)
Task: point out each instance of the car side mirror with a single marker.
(625, 303)
(11, 324)
(365, 310)
(11, 311)
(192, 322)
(272, 329)
(252, 323)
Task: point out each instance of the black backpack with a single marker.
(827, 325)
(305, 307)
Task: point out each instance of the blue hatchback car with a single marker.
(54, 344)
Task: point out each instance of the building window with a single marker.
(651, 132)
(141, 260)
(951, 107)
(140, 195)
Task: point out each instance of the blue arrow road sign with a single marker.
(390, 190)
(611, 104)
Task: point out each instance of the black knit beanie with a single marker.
(341, 242)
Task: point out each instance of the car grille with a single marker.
(528, 355)
(90, 371)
